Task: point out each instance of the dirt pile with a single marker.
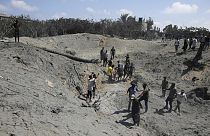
(39, 89)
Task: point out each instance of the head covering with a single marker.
(127, 56)
(134, 82)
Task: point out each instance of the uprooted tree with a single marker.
(198, 55)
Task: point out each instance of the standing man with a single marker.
(198, 55)
(127, 60)
(176, 44)
(132, 92)
(171, 97)
(185, 45)
(190, 43)
(180, 99)
(91, 82)
(194, 43)
(102, 54)
(105, 61)
(17, 31)
(164, 86)
(120, 68)
(94, 84)
(110, 72)
(126, 70)
(206, 47)
(144, 96)
(112, 53)
(131, 70)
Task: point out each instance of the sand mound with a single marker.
(39, 89)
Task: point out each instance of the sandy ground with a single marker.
(38, 93)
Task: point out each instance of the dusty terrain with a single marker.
(38, 94)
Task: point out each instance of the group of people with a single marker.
(121, 71)
(180, 97)
(135, 100)
(104, 56)
(190, 43)
(172, 95)
(136, 96)
(126, 69)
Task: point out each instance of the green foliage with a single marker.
(125, 27)
(171, 31)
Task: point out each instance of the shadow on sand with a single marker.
(124, 121)
(112, 82)
(161, 111)
(120, 111)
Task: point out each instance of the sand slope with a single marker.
(38, 93)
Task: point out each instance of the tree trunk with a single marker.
(198, 56)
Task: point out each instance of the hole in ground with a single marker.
(201, 92)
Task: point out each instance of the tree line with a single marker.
(124, 27)
(172, 31)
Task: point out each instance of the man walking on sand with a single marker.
(180, 99)
(185, 45)
(94, 84)
(102, 54)
(164, 86)
(144, 96)
(194, 43)
(120, 68)
(176, 44)
(132, 92)
(17, 31)
(91, 82)
(171, 97)
(105, 59)
(112, 53)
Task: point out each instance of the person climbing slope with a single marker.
(91, 83)
(112, 52)
(144, 96)
(176, 44)
(180, 99)
(171, 97)
(132, 92)
(164, 86)
(17, 31)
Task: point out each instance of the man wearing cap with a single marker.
(180, 99)
(132, 92)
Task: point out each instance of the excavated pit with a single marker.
(201, 92)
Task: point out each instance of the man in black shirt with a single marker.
(171, 97)
(17, 31)
(144, 96)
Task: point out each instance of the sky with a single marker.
(163, 12)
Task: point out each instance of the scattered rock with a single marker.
(69, 51)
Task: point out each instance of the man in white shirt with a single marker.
(91, 83)
(181, 97)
